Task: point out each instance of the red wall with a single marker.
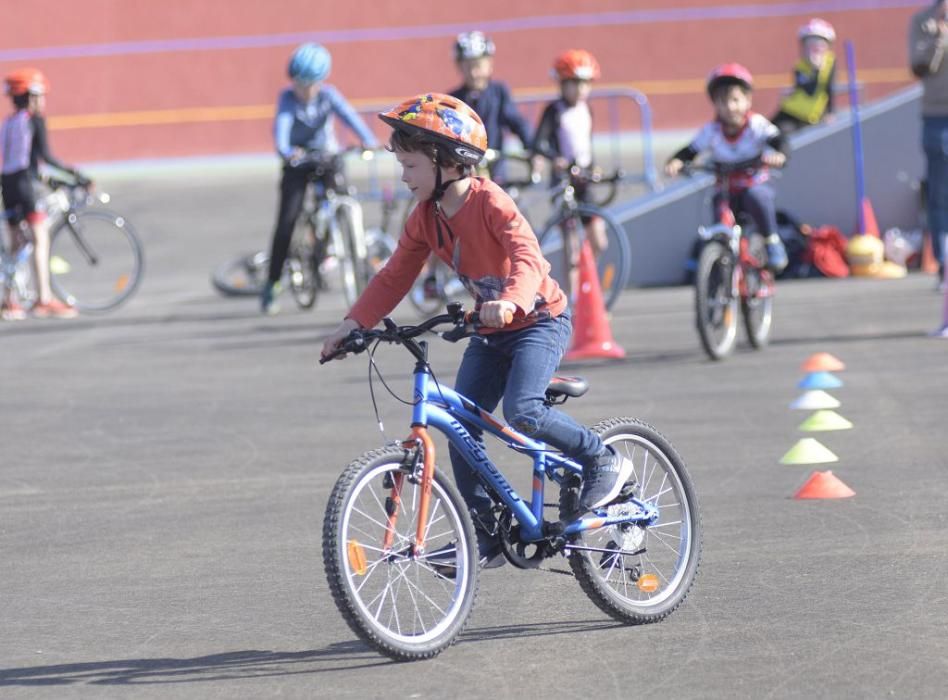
(148, 89)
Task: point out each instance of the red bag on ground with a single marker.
(826, 251)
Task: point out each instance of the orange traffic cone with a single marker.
(929, 264)
(822, 362)
(592, 337)
(824, 485)
(869, 218)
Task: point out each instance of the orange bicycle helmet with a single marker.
(26, 80)
(730, 74)
(576, 64)
(447, 121)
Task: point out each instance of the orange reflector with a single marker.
(647, 583)
(356, 557)
(608, 277)
(728, 313)
(121, 283)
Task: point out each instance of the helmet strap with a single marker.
(441, 186)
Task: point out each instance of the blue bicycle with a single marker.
(399, 546)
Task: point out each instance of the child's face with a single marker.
(476, 72)
(731, 104)
(814, 50)
(306, 92)
(37, 104)
(418, 173)
(575, 91)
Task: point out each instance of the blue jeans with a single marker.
(935, 144)
(517, 365)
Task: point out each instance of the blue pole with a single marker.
(857, 135)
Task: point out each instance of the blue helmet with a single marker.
(309, 63)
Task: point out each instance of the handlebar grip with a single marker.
(473, 317)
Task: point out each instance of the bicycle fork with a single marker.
(419, 441)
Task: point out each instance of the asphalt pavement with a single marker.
(164, 470)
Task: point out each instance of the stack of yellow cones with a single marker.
(823, 419)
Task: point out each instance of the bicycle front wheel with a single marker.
(757, 303)
(353, 264)
(301, 267)
(641, 573)
(242, 276)
(715, 304)
(395, 598)
(96, 260)
(560, 243)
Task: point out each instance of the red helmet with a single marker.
(576, 64)
(730, 74)
(819, 28)
(27, 80)
(446, 120)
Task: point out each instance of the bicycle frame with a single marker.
(729, 232)
(445, 410)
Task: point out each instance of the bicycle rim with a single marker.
(395, 601)
(352, 266)
(242, 276)
(96, 260)
(715, 306)
(641, 574)
(559, 244)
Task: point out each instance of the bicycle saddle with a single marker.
(567, 386)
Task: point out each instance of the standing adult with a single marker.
(928, 35)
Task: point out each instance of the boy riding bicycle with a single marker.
(24, 144)
(304, 124)
(738, 135)
(472, 225)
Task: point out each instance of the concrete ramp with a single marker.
(818, 186)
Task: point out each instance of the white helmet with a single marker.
(818, 28)
(472, 45)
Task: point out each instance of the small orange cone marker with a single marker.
(809, 451)
(822, 362)
(824, 485)
(592, 337)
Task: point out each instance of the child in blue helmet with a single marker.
(304, 123)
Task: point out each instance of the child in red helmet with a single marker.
(475, 227)
(738, 135)
(564, 134)
(24, 144)
(812, 97)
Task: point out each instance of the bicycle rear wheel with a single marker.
(243, 276)
(560, 245)
(391, 596)
(641, 573)
(757, 306)
(96, 260)
(715, 305)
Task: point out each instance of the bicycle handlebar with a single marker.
(321, 160)
(466, 324)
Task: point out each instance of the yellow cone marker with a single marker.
(809, 451)
(825, 420)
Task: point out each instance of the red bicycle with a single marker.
(732, 277)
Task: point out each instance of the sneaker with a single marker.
(268, 299)
(443, 560)
(12, 311)
(776, 253)
(54, 309)
(603, 481)
(940, 333)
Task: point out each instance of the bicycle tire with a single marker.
(757, 306)
(630, 560)
(614, 263)
(243, 276)
(716, 308)
(353, 264)
(355, 525)
(302, 267)
(99, 266)
(428, 297)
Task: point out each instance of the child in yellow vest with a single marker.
(812, 96)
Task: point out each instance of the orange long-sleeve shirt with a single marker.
(493, 250)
